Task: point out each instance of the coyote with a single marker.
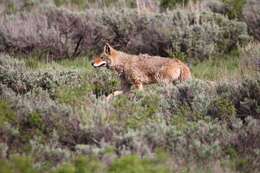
(139, 70)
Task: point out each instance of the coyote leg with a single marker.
(169, 74)
(125, 88)
(115, 93)
(139, 86)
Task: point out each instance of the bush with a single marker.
(250, 58)
(222, 109)
(245, 97)
(171, 4)
(216, 6)
(71, 34)
(235, 8)
(251, 16)
(7, 115)
(180, 119)
(167, 4)
(246, 144)
(37, 112)
(15, 75)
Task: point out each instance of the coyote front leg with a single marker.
(139, 86)
(125, 87)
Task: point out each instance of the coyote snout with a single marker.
(98, 62)
(139, 70)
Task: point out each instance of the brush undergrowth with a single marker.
(56, 114)
(194, 35)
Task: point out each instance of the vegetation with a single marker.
(54, 115)
(63, 113)
(180, 32)
(251, 16)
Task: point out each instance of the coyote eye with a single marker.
(102, 57)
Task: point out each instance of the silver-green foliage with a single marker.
(195, 121)
(61, 33)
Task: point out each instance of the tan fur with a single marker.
(139, 70)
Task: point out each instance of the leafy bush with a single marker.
(251, 16)
(216, 6)
(171, 4)
(250, 58)
(246, 145)
(14, 6)
(15, 76)
(7, 115)
(180, 120)
(222, 109)
(167, 4)
(247, 101)
(245, 97)
(71, 34)
(37, 113)
(235, 8)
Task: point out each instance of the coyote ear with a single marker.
(107, 49)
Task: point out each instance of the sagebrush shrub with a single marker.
(251, 15)
(245, 97)
(222, 108)
(216, 6)
(170, 4)
(180, 119)
(250, 58)
(246, 145)
(60, 33)
(7, 115)
(14, 75)
(235, 8)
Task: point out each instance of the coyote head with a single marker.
(107, 58)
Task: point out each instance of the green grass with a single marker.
(212, 69)
(79, 62)
(218, 68)
(73, 95)
(84, 164)
(34, 63)
(215, 68)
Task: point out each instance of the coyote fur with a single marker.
(143, 69)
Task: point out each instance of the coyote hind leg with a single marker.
(138, 85)
(169, 74)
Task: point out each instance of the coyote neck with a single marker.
(121, 61)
